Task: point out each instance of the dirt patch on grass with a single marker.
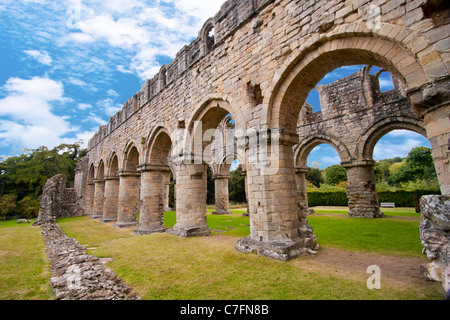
(395, 271)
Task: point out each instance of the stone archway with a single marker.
(155, 180)
(129, 188)
(110, 207)
(99, 193)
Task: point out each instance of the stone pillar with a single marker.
(361, 190)
(167, 190)
(246, 214)
(191, 201)
(110, 206)
(437, 124)
(153, 185)
(435, 236)
(222, 198)
(99, 199)
(90, 191)
(300, 180)
(279, 229)
(128, 204)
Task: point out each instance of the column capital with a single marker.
(98, 181)
(221, 176)
(430, 96)
(109, 178)
(147, 167)
(301, 169)
(129, 173)
(358, 163)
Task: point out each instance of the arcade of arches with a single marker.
(264, 59)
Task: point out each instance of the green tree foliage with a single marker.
(25, 176)
(314, 175)
(335, 174)
(236, 186)
(418, 166)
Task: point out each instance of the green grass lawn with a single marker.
(166, 267)
(24, 268)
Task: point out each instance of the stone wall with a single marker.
(57, 201)
(435, 235)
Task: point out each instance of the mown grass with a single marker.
(24, 268)
(166, 267)
(388, 212)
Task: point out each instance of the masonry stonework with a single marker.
(265, 58)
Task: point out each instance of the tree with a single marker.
(418, 165)
(236, 186)
(25, 175)
(314, 175)
(335, 174)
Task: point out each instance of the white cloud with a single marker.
(27, 114)
(41, 56)
(84, 106)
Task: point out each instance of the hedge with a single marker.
(401, 198)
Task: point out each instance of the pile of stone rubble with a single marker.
(78, 275)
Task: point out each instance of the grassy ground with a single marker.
(166, 267)
(24, 269)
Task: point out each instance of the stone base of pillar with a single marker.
(221, 212)
(168, 209)
(276, 250)
(365, 213)
(106, 220)
(246, 214)
(121, 225)
(96, 217)
(190, 231)
(144, 231)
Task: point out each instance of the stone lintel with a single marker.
(147, 167)
(284, 251)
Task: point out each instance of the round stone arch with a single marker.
(112, 164)
(346, 45)
(207, 42)
(160, 143)
(210, 112)
(371, 136)
(91, 174)
(101, 170)
(304, 148)
(131, 160)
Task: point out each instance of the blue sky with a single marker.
(67, 66)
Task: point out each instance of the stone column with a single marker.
(300, 180)
(167, 190)
(99, 199)
(153, 184)
(279, 229)
(90, 191)
(246, 214)
(361, 190)
(221, 194)
(128, 204)
(437, 124)
(191, 201)
(110, 206)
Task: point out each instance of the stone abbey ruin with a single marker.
(255, 63)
